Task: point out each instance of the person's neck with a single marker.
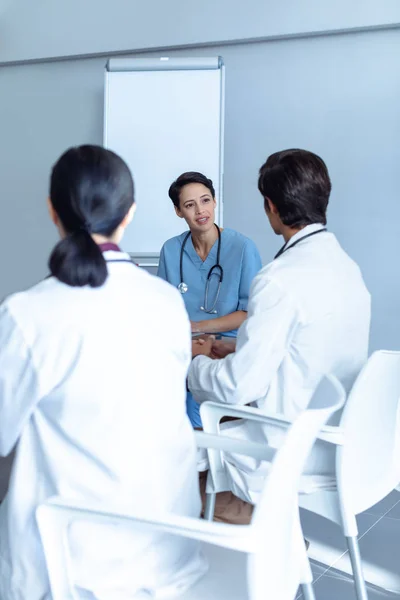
(204, 241)
(102, 239)
(289, 232)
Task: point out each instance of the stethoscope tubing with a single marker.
(287, 247)
(217, 267)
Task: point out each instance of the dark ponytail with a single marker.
(77, 261)
(91, 191)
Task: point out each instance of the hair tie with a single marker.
(85, 227)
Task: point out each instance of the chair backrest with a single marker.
(368, 464)
(282, 555)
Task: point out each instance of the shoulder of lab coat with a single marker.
(49, 299)
(306, 287)
(245, 375)
(34, 353)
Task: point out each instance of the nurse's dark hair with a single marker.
(298, 183)
(176, 187)
(91, 190)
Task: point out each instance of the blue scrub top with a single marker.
(239, 259)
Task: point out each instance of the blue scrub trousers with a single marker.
(193, 407)
(193, 411)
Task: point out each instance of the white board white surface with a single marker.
(163, 123)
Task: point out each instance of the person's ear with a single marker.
(52, 213)
(129, 216)
(270, 207)
(178, 212)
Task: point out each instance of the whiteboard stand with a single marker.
(164, 116)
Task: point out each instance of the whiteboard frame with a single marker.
(165, 63)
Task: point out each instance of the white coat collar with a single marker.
(305, 231)
(115, 255)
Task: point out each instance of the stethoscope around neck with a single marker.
(215, 270)
(288, 246)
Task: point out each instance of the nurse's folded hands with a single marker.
(202, 346)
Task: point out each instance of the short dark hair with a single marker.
(298, 183)
(186, 178)
(91, 190)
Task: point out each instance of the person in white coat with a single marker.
(79, 397)
(308, 315)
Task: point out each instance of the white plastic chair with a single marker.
(272, 543)
(367, 457)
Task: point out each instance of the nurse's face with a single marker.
(197, 207)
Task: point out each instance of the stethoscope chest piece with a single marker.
(182, 287)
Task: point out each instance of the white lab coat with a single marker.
(92, 383)
(308, 315)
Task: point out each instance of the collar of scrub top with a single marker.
(215, 269)
(109, 246)
(187, 245)
(309, 231)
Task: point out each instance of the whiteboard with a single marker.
(164, 117)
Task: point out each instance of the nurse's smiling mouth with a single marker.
(202, 220)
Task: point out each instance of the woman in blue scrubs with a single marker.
(214, 306)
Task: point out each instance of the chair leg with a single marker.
(210, 507)
(307, 591)
(356, 565)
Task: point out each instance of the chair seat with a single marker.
(226, 578)
(232, 481)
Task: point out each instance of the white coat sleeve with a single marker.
(19, 387)
(263, 340)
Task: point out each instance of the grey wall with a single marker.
(44, 109)
(32, 29)
(336, 95)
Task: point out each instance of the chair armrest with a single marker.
(216, 410)
(332, 434)
(227, 444)
(212, 413)
(220, 534)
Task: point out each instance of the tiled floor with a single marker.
(379, 530)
